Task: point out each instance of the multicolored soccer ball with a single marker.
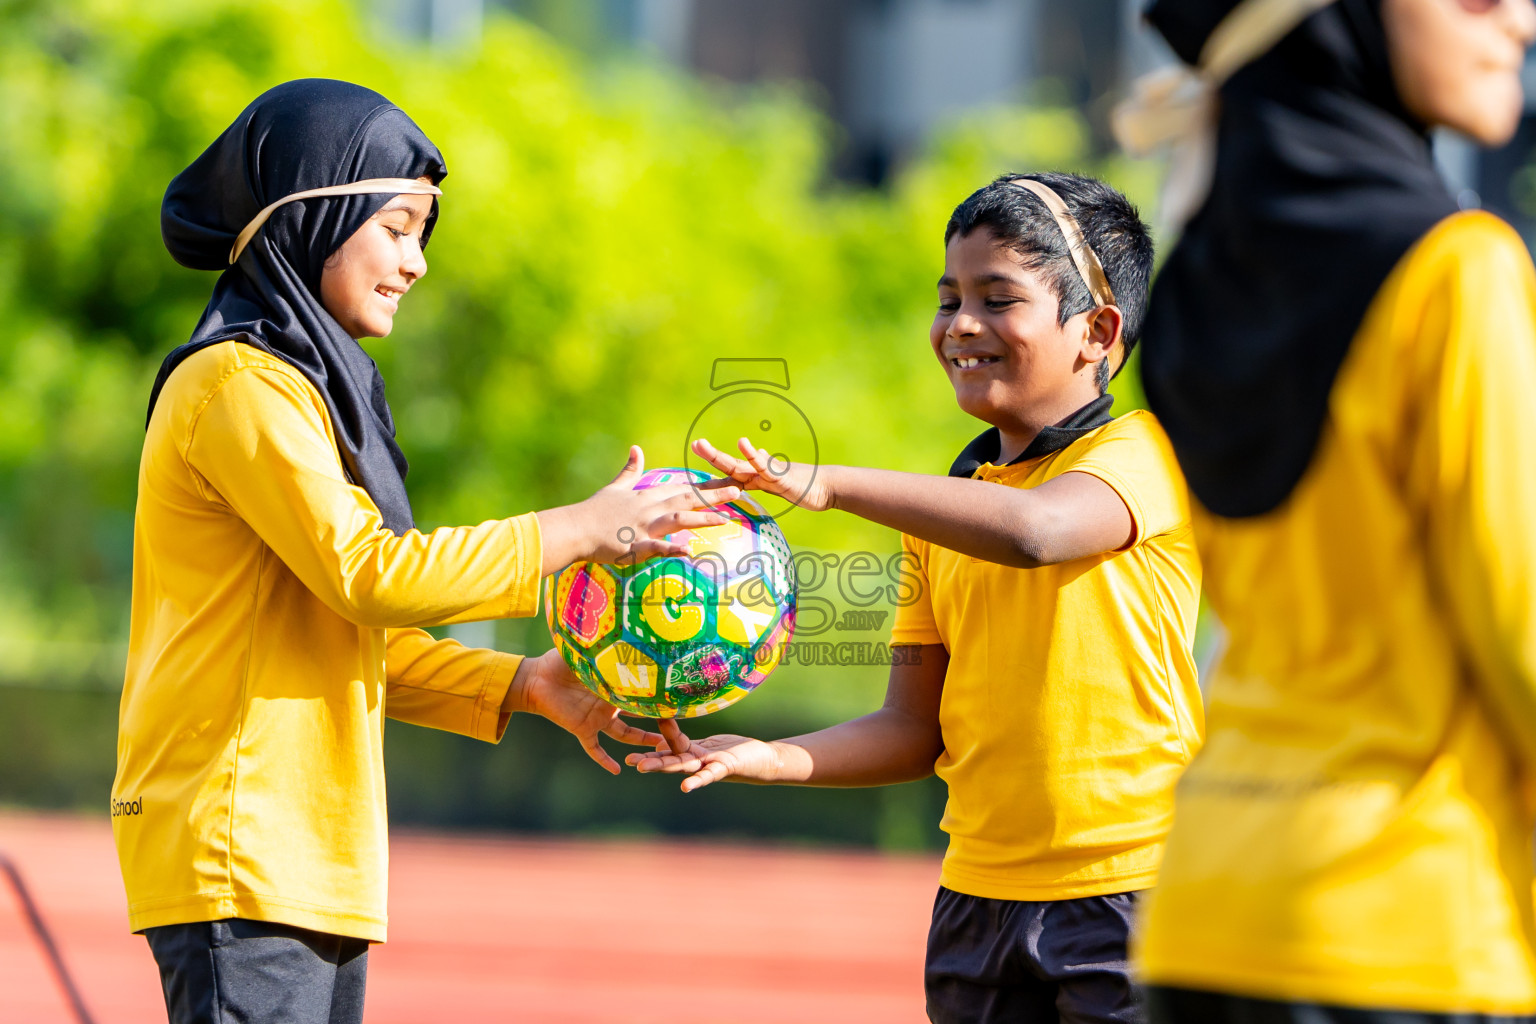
(680, 637)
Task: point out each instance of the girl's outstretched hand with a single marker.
(621, 524)
(797, 482)
(549, 688)
(708, 760)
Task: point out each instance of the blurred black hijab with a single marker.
(300, 135)
(1323, 181)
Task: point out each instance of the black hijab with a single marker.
(300, 135)
(1322, 183)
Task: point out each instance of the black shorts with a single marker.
(215, 972)
(1026, 962)
(1188, 1006)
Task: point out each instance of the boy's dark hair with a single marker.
(1113, 228)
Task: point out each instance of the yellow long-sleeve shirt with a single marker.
(271, 633)
(1356, 830)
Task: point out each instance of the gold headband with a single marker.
(370, 186)
(1083, 257)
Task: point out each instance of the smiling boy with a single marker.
(1052, 686)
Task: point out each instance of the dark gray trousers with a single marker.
(253, 972)
(1019, 962)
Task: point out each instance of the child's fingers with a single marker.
(695, 495)
(751, 451)
(721, 483)
(641, 550)
(633, 467)
(667, 764)
(596, 752)
(723, 463)
(704, 498)
(673, 733)
(676, 522)
(772, 476)
(712, 455)
(635, 736)
(677, 496)
(712, 772)
(759, 459)
(668, 523)
(672, 764)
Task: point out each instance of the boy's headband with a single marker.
(1083, 256)
(369, 186)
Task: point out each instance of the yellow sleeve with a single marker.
(259, 447)
(1134, 457)
(1472, 427)
(441, 684)
(915, 622)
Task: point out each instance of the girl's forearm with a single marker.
(566, 537)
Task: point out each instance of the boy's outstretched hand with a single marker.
(710, 759)
(546, 686)
(796, 482)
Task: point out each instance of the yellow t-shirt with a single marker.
(1354, 832)
(1070, 706)
(268, 640)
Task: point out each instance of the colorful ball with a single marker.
(680, 637)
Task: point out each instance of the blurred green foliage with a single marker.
(610, 227)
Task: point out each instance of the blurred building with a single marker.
(889, 72)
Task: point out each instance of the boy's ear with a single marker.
(1102, 336)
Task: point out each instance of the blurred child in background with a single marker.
(1047, 674)
(1346, 365)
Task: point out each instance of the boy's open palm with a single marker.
(710, 759)
(796, 482)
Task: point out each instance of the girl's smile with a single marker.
(391, 295)
(364, 280)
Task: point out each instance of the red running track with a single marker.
(533, 930)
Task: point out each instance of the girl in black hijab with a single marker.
(279, 581)
(1345, 363)
(301, 136)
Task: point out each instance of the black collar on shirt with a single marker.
(1050, 440)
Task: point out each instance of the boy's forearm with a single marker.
(879, 749)
(972, 517)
